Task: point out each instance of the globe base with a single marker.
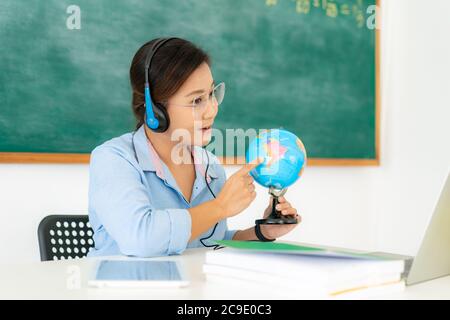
(280, 220)
(275, 216)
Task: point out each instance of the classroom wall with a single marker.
(415, 120)
(385, 208)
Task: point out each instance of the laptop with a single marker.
(433, 258)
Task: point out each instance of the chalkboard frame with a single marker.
(81, 158)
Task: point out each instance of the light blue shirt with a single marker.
(135, 205)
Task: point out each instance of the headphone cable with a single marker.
(215, 246)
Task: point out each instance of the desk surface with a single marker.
(58, 280)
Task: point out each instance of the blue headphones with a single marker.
(156, 116)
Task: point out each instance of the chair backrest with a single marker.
(63, 237)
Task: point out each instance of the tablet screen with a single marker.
(132, 273)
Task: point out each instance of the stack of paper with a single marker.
(304, 272)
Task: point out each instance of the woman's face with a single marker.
(193, 125)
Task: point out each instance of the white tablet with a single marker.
(138, 274)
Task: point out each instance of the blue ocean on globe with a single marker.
(284, 158)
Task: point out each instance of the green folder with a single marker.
(289, 248)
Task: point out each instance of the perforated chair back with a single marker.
(65, 237)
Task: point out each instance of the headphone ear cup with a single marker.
(163, 117)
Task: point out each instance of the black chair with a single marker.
(65, 237)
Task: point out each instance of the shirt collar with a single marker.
(149, 159)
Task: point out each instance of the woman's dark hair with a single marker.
(172, 64)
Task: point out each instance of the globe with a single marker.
(284, 158)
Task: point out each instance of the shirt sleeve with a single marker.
(120, 200)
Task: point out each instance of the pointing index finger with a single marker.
(250, 166)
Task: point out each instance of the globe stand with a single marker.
(275, 216)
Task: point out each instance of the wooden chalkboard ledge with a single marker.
(24, 157)
(28, 157)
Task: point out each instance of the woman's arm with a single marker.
(236, 195)
(204, 216)
(247, 234)
(120, 200)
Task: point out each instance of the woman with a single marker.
(149, 194)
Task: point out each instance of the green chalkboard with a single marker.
(308, 66)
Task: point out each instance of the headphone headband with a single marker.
(148, 60)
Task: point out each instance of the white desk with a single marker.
(57, 280)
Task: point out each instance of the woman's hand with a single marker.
(276, 231)
(238, 191)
